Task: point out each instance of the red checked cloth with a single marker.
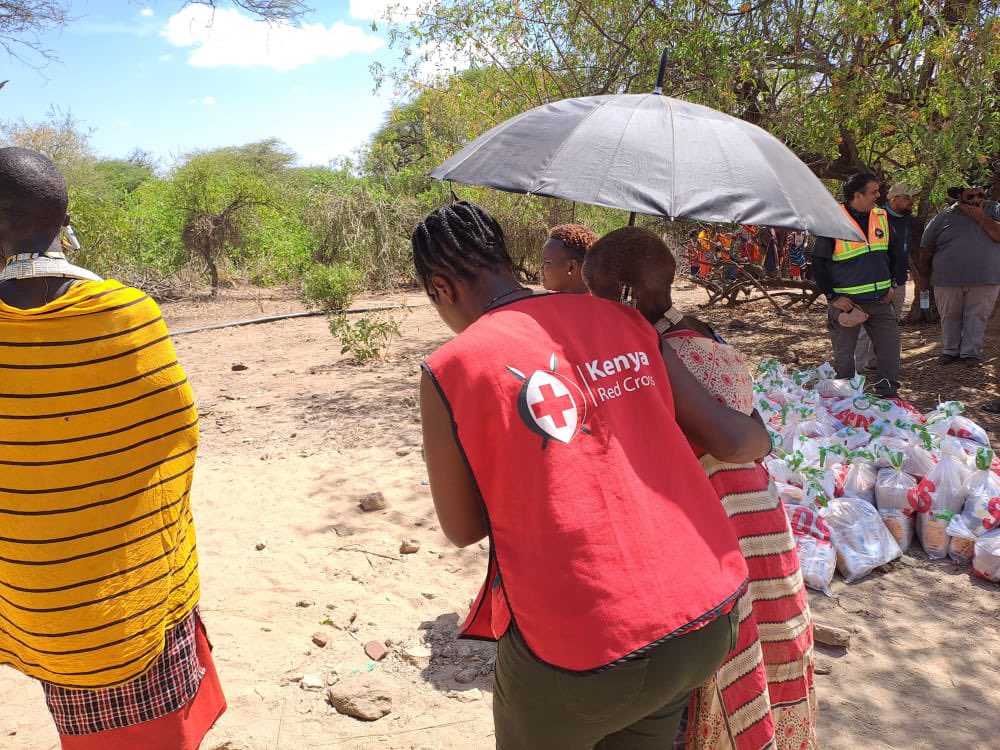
(170, 683)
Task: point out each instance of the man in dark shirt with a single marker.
(898, 208)
(859, 278)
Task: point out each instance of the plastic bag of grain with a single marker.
(861, 540)
(859, 479)
(981, 510)
(962, 543)
(986, 556)
(947, 420)
(861, 411)
(817, 557)
(852, 438)
(901, 525)
(892, 484)
(943, 488)
(892, 492)
(920, 454)
(939, 497)
(932, 530)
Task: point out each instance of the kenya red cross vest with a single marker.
(605, 534)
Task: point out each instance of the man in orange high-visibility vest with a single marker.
(857, 279)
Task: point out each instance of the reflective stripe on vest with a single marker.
(878, 236)
(878, 286)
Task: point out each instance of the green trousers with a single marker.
(636, 705)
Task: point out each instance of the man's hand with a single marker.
(890, 293)
(973, 212)
(843, 304)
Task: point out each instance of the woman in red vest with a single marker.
(763, 693)
(551, 425)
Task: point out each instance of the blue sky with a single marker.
(170, 79)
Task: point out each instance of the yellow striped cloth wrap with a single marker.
(98, 434)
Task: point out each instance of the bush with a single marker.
(330, 287)
(367, 339)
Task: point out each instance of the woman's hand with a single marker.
(727, 434)
(453, 488)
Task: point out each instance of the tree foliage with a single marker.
(905, 87)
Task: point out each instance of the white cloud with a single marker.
(208, 101)
(227, 37)
(147, 12)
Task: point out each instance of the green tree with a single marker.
(905, 88)
(222, 194)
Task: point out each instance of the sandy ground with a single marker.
(292, 443)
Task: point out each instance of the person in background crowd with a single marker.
(899, 209)
(858, 279)
(562, 258)
(764, 691)
(99, 579)
(553, 424)
(960, 258)
(694, 252)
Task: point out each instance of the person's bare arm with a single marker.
(453, 489)
(923, 264)
(725, 433)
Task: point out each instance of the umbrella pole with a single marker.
(660, 73)
(631, 219)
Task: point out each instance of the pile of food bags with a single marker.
(861, 476)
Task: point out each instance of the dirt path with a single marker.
(291, 443)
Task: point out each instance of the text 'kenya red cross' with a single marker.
(552, 406)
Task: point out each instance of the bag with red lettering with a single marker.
(913, 414)
(861, 540)
(938, 497)
(861, 411)
(817, 557)
(981, 510)
(986, 556)
(947, 420)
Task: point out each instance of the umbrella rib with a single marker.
(562, 146)
(618, 146)
(767, 162)
(673, 159)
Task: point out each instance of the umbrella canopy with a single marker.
(654, 155)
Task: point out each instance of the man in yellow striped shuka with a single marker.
(98, 565)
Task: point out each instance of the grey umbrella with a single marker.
(655, 155)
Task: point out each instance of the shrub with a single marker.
(330, 287)
(367, 339)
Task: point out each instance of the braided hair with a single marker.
(460, 239)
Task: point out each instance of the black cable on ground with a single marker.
(287, 316)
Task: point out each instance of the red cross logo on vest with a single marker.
(550, 404)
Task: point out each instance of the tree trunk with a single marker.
(213, 275)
